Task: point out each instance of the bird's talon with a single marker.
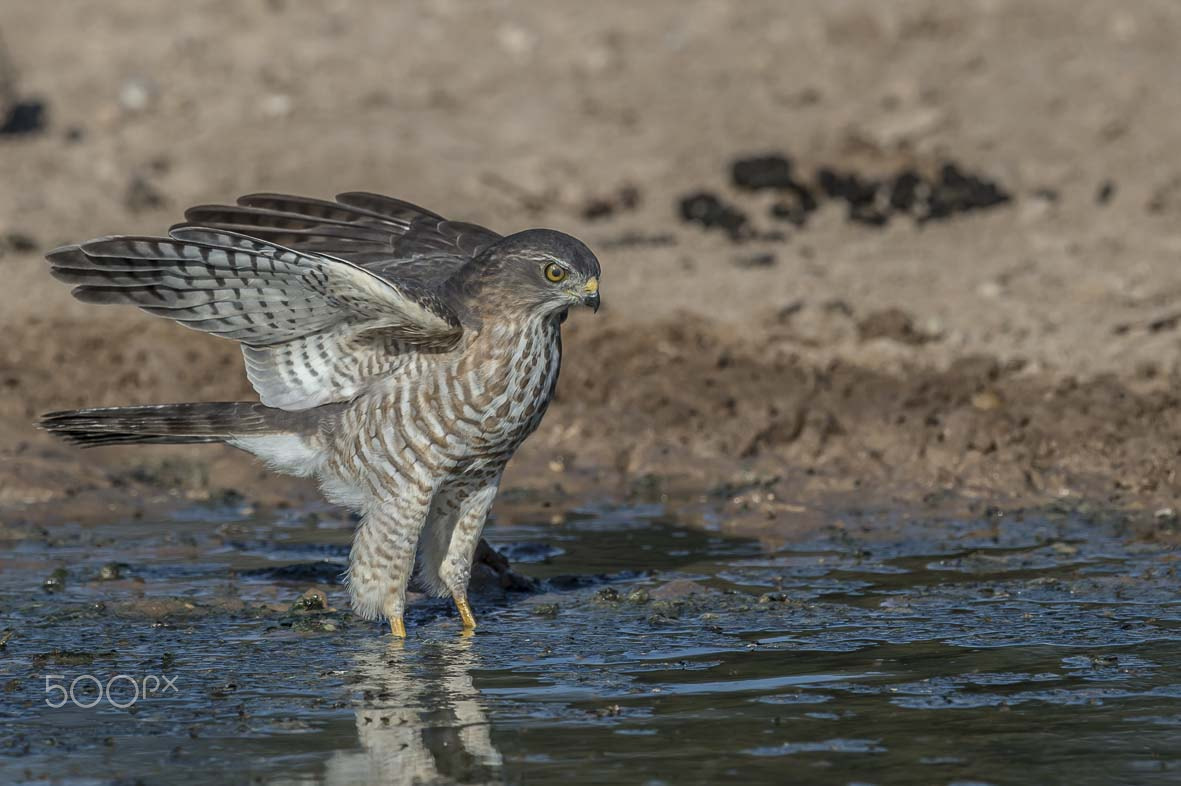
(465, 613)
(398, 627)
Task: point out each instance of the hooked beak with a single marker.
(590, 295)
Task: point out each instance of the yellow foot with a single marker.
(397, 627)
(465, 612)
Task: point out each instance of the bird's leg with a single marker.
(382, 559)
(456, 569)
(399, 569)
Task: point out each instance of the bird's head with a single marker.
(538, 271)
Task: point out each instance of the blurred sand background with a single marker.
(1019, 355)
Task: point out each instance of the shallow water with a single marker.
(1039, 649)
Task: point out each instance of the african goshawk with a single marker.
(400, 359)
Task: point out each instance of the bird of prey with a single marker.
(399, 358)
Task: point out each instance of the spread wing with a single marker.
(396, 240)
(314, 328)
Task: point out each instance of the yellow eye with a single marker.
(554, 272)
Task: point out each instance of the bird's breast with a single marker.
(442, 415)
(508, 382)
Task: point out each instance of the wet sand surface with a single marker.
(1036, 647)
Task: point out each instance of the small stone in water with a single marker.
(638, 596)
(312, 600)
(111, 571)
(608, 594)
(56, 581)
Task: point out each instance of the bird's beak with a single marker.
(590, 296)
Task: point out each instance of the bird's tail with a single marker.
(162, 423)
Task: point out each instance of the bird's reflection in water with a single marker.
(419, 718)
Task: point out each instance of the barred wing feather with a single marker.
(313, 328)
(392, 238)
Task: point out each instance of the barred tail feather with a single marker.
(160, 424)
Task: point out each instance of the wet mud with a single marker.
(1033, 648)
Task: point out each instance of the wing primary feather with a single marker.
(315, 328)
(384, 205)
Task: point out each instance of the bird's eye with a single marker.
(554, 272)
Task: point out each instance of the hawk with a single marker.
(399, 358)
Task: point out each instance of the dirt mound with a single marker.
(686, 400)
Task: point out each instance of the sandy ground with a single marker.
(1012, 356)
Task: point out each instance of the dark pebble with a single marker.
(18, 242)
(711, 212)
(956, 191)
(1164, 323)
(847, 186)
(906, 190)
(796, 202)
(25, 117)
(626, 198)
(597, 208)
(765, 171)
